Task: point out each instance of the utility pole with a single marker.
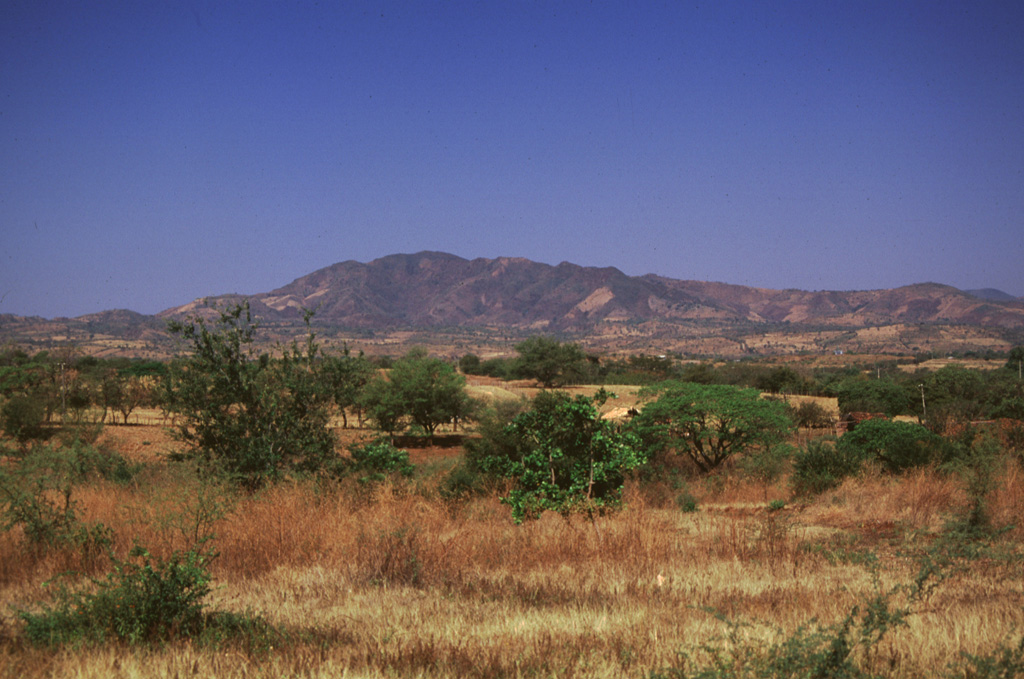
(63, 391)
(924, 408)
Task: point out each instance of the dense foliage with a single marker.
(249, 416)
(709, 423)
(563, 456)
(550, 362)
(419, 390)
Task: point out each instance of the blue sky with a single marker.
(155, 152)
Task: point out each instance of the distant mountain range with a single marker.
(438, 293)
(434, 289)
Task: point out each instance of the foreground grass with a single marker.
(394, 581)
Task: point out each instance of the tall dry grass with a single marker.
(394, 580)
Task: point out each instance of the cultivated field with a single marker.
(394, 580)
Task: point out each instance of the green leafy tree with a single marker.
(432, 391)
(383, 404)
(470, 364)
(709, 422)
(858, 394)
(781, 379)
(427, 391)
(346, 376)
(549, 361)
(122, 394)
(562, 456)
(250, 416)
(1015, 359)
(953, 394)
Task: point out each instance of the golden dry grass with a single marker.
(394, 581)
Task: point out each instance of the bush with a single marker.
(145, 601)
(686, 502)
(821, 465)
(898, 446)
(464, 480)
(250, 417)
(23, 417)
(139, 602)
(562, 455)
(37, 496)
(377, 460)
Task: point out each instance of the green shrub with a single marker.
(562, 456)
(146, 601)
(252, 417)
(23, 417)
(37, 496)
(462, 481)
(898, 446)
(686, 502)
(375, 461)
(140, 602)
(821, 465)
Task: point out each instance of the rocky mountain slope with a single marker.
(432, 289)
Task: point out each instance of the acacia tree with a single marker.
(122, 393)
(562, 455)
(249, 415)
(709, 422)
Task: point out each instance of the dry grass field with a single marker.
(397, 581)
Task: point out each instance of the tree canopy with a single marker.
(549, 361)
(709, 422)
(427, 391)
(250, 416)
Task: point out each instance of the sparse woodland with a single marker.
(271, 517)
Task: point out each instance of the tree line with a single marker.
(255, 417)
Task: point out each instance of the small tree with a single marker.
(875, 396)
(377, 460)
(710, 422)
(549, 361)
(562, 456)
(426, 390)
(433, 393)
(346, 376)
(1015, 359)
(248, 415)
(122, 394)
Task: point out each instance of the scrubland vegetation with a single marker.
(709, 536)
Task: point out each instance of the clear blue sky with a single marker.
(155, 152)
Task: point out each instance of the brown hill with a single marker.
(454, 305)
(432, 290)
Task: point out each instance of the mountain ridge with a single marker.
(435, 289)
